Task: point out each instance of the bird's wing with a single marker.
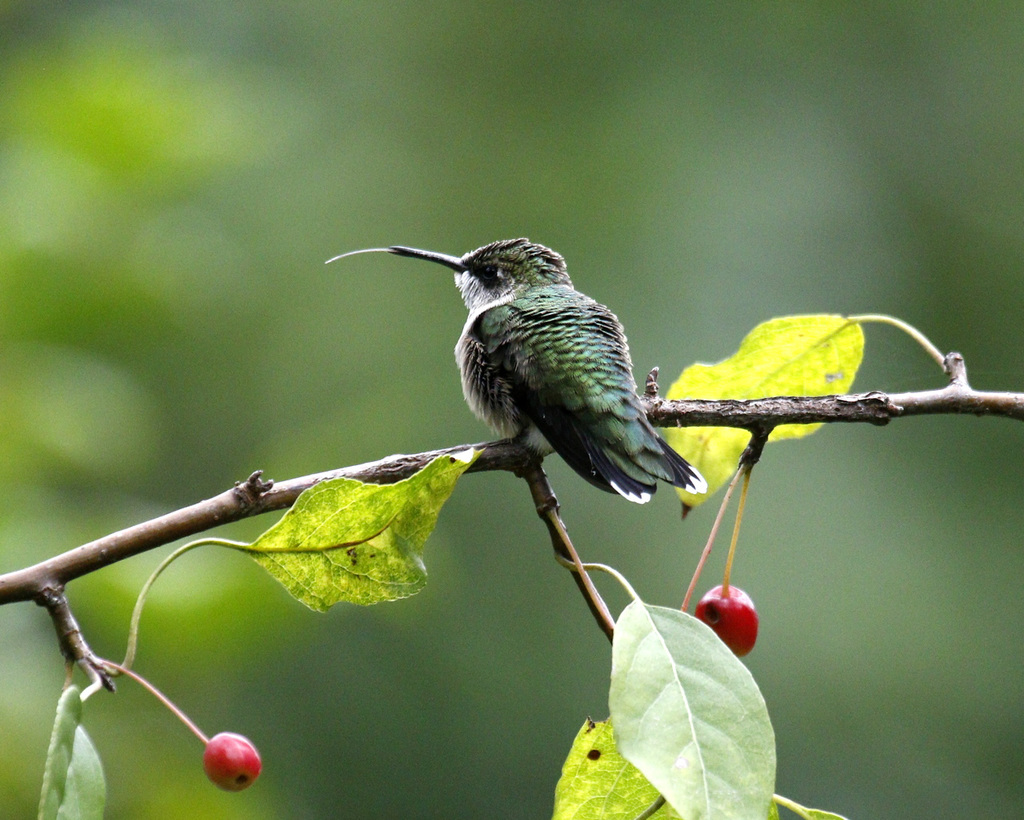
(567, 360)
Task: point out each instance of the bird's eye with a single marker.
(489, 273)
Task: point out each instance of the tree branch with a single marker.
(252, 497)
(255, 496)
(958, 397)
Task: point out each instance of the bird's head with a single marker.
(495, 273)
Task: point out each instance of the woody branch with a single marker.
(256, 496)
(44, 582)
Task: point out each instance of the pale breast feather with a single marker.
(487, 390)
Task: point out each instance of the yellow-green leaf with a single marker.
(344, 540)
(597, 783)
(790, 356)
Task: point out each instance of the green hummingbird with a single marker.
(542, 361)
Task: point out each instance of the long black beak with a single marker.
(453, 262)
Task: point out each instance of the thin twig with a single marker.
(547, 508)
(72, 643)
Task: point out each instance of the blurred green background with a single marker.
(172, 178)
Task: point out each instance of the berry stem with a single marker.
(736, 529)
(711, 540)
(160, 696)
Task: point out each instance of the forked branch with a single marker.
(256, 496)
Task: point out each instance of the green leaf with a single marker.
(344, 540)
(597, 783)
(689, 716)
(791, 356)
(73, 783)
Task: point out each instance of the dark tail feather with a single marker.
(571, 441)
(618, 480)
(684, 475)
(567, 436)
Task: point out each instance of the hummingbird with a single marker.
(544, 362)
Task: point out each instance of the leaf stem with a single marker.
(794, 807)
(910, 330)
(651, 809)
(133, 628)
(618, 576)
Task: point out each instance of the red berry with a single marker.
(231, 761)
(732, 617)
